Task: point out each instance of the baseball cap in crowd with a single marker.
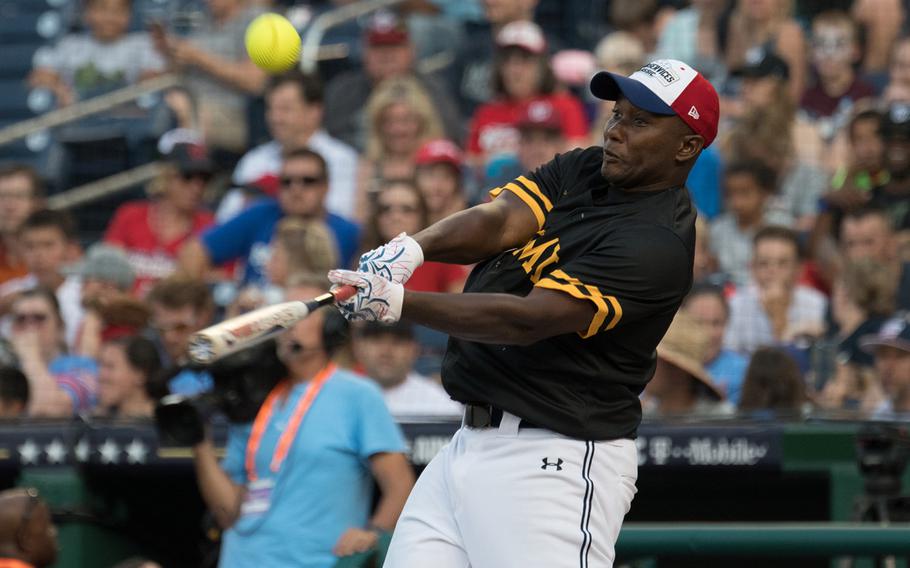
(666, 87)
(541, 115)
(894, 333)
(768, 65)
(684, 346)
(105, 263)
(439, 151)
(896, 122)
(386, 28)
(398, 329)
(191, 158)
(266, 184)
(523, 34)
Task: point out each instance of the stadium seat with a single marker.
(23, 27)
(16, 62)
(18, 102)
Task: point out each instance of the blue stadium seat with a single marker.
(16, 61)
(19, 27)
(18, 102)
(34, 150)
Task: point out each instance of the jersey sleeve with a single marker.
(539, 189)
(376, 430)
(627, 278)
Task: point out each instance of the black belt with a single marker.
(487, 416)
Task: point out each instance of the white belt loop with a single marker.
(509, 424)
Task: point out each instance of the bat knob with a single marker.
(201, 350)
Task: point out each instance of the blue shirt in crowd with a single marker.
(190, 382)
(728, 370)
(249, 234)
(78, 377)
(704, 182)
(324, 486)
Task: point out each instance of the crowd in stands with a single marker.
(801, 272)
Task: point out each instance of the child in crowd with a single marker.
(104, 57)
(748, 187)
(49, 242)
(835, 51)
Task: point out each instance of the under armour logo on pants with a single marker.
(557, 464)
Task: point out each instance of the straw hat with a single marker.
(684, 346)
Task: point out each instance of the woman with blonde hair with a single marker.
(863, 298)
(768, 130)
(758, 28)
(400, 119)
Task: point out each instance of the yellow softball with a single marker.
(272, 43)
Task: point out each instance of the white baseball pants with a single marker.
(504, 497)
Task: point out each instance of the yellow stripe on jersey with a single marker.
(533, 188)
(529, 201)
(577, 289)
(530, 193)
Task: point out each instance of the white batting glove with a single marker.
(396, 260)
(377, 299)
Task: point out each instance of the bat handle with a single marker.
(343, 293)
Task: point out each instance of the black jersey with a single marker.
(629, 253)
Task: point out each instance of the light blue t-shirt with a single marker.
(324, 486)
(190, 382)
(728, 370)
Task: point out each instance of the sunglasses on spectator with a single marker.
(24, 319)
(304, 181)
(385, 208)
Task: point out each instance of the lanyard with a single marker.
(287, 437)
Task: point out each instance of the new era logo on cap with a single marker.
(666, 86)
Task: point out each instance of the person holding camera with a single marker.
(295, 486)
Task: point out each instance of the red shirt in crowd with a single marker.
(152, 259)
(493, 126)
(10, 267)
(436, 277)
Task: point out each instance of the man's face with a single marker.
(288, 114)
(386, 357)
(303, 187)
(45, 250)
(710, 314)
(893, 368)
(759, 91)
(185, 190)
(108, 19)
(538, 146)
(175, 326)
(16, 202)
(383, 62)
(638, 145)
(775, 262)
(867, 237)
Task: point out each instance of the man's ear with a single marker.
(689, 147)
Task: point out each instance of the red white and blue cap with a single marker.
(666, 87)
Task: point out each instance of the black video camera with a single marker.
(882, 452)
(242, 381)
